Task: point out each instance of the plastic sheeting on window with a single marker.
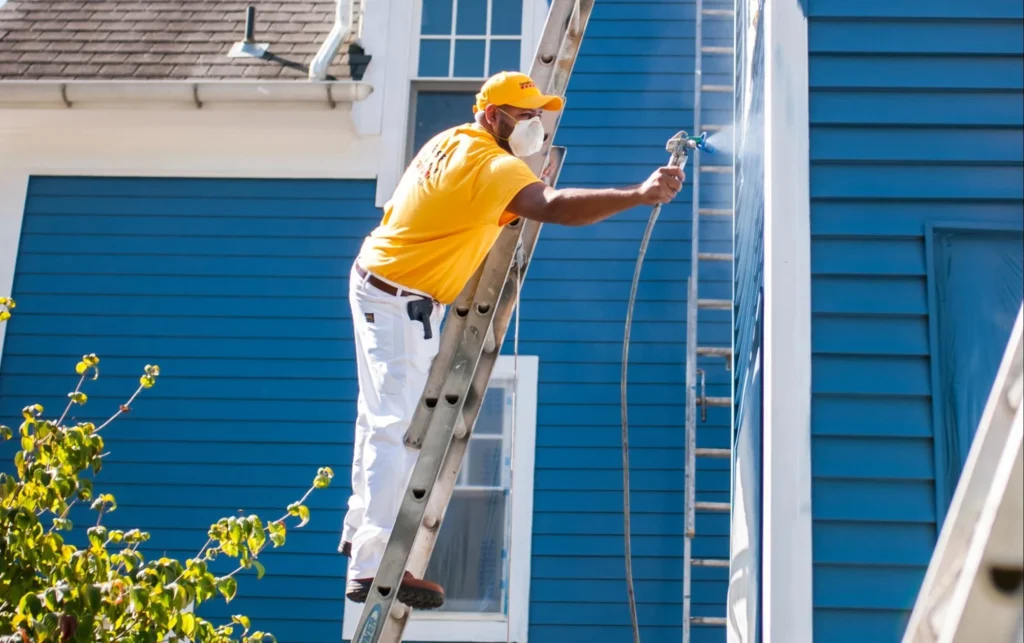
(470, 558)
(978, 288)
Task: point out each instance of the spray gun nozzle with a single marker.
(701, 143)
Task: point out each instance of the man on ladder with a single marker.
(451, 204)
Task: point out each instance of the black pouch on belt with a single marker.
(420, 310)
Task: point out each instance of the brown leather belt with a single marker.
(384, 286)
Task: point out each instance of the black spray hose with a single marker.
(677, 146)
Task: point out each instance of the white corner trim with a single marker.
(13, 190)
(368, 114)
(437, 627)
(402, 42)
(786, 554)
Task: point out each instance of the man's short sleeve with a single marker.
(499, 181)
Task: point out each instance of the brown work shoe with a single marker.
(414, 592)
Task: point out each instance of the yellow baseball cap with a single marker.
(517, 90)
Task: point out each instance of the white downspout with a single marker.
(343, 23)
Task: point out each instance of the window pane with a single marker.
(504, 56)
(437, 17)
(467, 560)
(469, 58)
(483, 468)
(472, 18)
(434, 58)
(491, 419)
(436, 112)
(506, 17)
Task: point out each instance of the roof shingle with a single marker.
(168, 39)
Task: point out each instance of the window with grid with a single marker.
(470, 559)
(482, 553)
(469, 39)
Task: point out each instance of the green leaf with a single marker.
(79, 397)
(277, 533)
(293, 509)
(188, 623)
(4, 315)
(303, 514)
(242, 620)
(5, 432)
(259, 569)
(93, 597)
(323, 477)
(30, 605)
(227, 586)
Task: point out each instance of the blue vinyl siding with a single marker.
(631, 90)
(237, 289)
(916, 118)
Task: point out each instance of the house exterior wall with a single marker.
(272, 206)
(746, 144)
(916, 116)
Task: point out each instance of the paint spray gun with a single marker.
(679, 147)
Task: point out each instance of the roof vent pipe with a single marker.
(343, 19)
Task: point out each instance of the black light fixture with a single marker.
(358, 61)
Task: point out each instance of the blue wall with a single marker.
(254, 343)
(238, 290)
(916, 118)
(631, 90)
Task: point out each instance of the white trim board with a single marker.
(13, 190)
(475, 628)
(787, 597)
(386, 110)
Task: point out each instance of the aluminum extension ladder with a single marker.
(695, 350)
(470, 343)
(972, 590)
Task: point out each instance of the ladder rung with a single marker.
(712, 453)
(714, 256)
(715, 212)
(712, 621)
(718, 13)
(724, 89)
(711, 49)
(715, 304)
(714, 351)
(710, 562)
(716, 401)
(712, 506)
(717, 169)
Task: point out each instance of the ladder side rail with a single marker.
(692, 323)
(976, 480)
(984, 606)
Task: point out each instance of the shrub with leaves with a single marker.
(53, 591)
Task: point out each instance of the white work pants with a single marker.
(393, 360)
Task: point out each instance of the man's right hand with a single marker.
(662, 186)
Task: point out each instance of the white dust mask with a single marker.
(527, 137)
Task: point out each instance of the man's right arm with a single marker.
(582, 206)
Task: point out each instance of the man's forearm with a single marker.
(582, 206)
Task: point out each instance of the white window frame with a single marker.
(396, 35)
(463, 627)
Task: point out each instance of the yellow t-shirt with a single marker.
(446, 213)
